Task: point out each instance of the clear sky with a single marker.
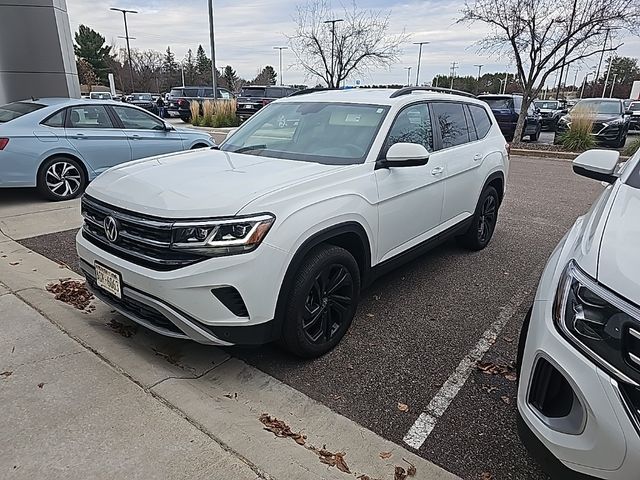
(247, 31)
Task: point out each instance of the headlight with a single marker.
(613, 123)
(221, 237)
(598, 322)
(565, 120)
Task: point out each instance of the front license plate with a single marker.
(108, 280)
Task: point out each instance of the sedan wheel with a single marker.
(61, 179)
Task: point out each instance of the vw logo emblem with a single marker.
(111, 228)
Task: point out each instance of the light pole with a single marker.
(478, 83)
(419, 58)
(333, 41)
(280, 48)
(126, 36)
(613, 84)
(506, 79)
(408, 69)
(606, 80)
(213, 52)
(584, 82)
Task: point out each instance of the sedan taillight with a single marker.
(266, 102)
(3, 143)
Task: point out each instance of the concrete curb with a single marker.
(200, 383)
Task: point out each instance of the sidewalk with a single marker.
(144, 406)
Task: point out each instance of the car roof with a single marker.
(499, 95)
(375, 96)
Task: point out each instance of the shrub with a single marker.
(195, 113)
(632, 148)
(578, 138)
(208, 111)
(216, 114)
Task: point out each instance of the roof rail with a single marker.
(408, 90)
(310, 90)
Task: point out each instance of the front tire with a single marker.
(534, 137)
(483, 221)
(322, 302)
(61, 178)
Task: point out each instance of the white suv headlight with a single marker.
(221, 237)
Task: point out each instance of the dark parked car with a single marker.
(506, 109)
(610, 120)
(550, 113)
(254, 97)
(634, 122)
(180, 99)
(143, 100)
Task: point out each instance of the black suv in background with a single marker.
(143, 100)
(550, 113)
(253, 98)
(610, 120)
(634, 109)
(180, 99)
(506, 109)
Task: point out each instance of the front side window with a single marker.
(90, 116)
(224, 94)
(11, 111)
(453, 126)
(412, 125)
(132, 118)
(328, 133)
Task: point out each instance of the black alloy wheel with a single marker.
(487, 219)
(483, 221)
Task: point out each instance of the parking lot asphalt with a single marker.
(416, 324)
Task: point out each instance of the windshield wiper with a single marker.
(248, 148)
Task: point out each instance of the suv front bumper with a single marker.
(182, 304)
(599, 438)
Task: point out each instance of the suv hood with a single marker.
(200, 183)
(619, 259)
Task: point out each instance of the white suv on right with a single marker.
(272, 236)
(579, 351)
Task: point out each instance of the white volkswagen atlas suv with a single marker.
(579, 351)
(271, 236)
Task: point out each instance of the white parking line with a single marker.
(426, 422)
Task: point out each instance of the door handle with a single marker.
(477, 157)
(79, 136)
(437, 171)
(135, 137)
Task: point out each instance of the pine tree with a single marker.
(229, 78)
(170, 69)
(266, 77)
(190, 71)
(90, 46)
(203, 63)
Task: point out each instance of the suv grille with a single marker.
(143, 240)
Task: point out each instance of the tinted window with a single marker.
(472, 131)
(189, 92)
(412, 125)
(453, 127)
(517, 103)
(605, 107)
(481, 120)
(635, 107)
(133, 118)
(100, 96)
(11, 111)
(224, 94)
(274, 92)
(91, 116)
(253, 92)
(499, 103)
(141, 97)
(55, 120)
(547, 105)
(176, 92)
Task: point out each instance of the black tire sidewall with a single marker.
(471, 239)
(293, 337)
(42, 183)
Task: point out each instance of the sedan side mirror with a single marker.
(628, 112)
(168, 128)
(597, 164)
(405, 155)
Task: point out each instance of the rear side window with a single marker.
(55, 120)
(453, 126)
(11, 111)
(481, 120)
(274, 92)
(176, 92)
(189, 92)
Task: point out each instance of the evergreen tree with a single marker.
(90, 46)
(229, 78)
(203, 63)
(266, 77)
(170, 70)
(190, 71)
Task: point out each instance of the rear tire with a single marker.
(620, 142)
(61, 178)
(483, 221)
(534, 137)
(321, 303)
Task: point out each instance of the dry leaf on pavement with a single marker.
(403, 407)
(506, 399)
(486, 476)
(491, 368)
(73, 292)
(385, 455)
(411, 471)
(281, 429)
(400, 474)
(341, 464)
(6, 373)
(41, 384)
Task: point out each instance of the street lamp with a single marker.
(213, 52)
(419, 58)
(584, 82)
(478, 83)
(280, 48)
(126, 36)
(333, 41)
(408, 69)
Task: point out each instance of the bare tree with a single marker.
(542, 36)
(332, 52)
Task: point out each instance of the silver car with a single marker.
(59, 145)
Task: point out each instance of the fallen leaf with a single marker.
(512, 377)
(364, 477)
(491, 368)
(486, 476)
(399, 474)
(370, 315)
(508, 339)
(505, 399)
(341, 464)
(6, 373)
(72, 292)
(403, 407)
(280, 429)
(385, 455)
(13, 264)
(489, 389)
(411, 471)
(40, 385)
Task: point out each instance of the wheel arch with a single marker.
(349, 235)
(63, 155)
(496, 180)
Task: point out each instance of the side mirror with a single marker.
(597, 164)
(628, 112)
(168, 128)
(565, 111)
(405, 155)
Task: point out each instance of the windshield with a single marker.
(141, 96)
(328, 133)
(100, 96)
(499, 103)
(600, 107)
(11, 111)
(635, 107)
(253, 92)
(547, 105)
